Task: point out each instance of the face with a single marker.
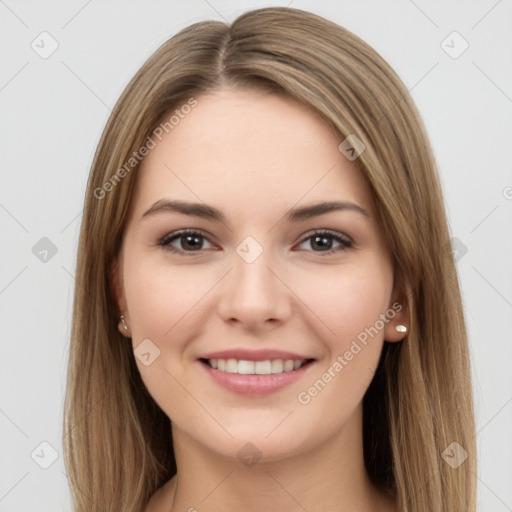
(230, 269)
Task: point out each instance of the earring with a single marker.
(123, 324)
(401, 328)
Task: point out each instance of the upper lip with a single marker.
(254, 355)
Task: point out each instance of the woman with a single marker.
(267, 314)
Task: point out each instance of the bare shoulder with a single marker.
(161, 499)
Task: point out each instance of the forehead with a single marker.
(250, 150)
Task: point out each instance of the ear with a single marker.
(117, 289)
(116, 282)
(399, 313)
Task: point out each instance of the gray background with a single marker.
(52, 113)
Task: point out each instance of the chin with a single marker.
(256, 443)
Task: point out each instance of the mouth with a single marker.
(263, 367)
(255, 373)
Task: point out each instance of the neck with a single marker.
(332, 476)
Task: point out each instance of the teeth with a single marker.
(263, 367)
(255, 367)
(246, 367)
(288, 365)
(232, 366)
(277, 366)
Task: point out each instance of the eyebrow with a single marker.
(205, 211)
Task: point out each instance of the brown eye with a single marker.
(323, 241)
(184, 242)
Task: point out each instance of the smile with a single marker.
(265, 367)
(255, 373)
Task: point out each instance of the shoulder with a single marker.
(161, 498)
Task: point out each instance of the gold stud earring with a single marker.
(401, 328)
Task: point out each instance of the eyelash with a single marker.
(165, 242)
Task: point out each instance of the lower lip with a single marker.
(255, 385)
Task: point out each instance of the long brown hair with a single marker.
(117, 441)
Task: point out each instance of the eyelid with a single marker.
(326, 231)
(184, 231)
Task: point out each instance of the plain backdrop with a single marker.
(54, 108)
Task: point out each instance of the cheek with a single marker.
(164, 305)
(351, 305)
(160, 298)
(348, 300)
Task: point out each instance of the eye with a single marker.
(192, 241)
(322, 241)
(186, 241)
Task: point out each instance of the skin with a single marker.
(254, 156)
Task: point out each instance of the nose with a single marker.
(254, 295)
